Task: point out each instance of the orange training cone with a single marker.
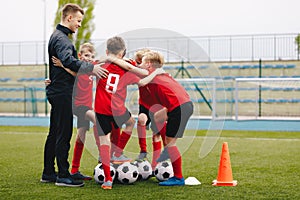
(225, 172)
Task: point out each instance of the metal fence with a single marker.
(216, 48)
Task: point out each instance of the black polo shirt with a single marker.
(62, 48)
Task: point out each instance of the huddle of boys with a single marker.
(163, 102)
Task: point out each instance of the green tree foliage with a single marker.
(87, 26)
(297, 41)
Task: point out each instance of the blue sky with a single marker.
(24, 20)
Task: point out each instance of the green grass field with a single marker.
(265, 164)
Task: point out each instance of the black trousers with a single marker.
(60, 132)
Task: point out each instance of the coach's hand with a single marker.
(99, 71)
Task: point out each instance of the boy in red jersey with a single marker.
(177, 110)
(146, 103)
(110, 104)
(143, 117)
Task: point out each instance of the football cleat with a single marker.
(107, 185)
(119, 160)
(173, 181)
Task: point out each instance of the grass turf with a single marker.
(265, 164)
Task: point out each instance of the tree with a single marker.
(87, 26)
(297, 41)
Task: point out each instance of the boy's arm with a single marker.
(58, 63)
(150, 77)
(125, 65)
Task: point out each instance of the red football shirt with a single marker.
(111, 92)
(168, 92)
(145, 98)
(83, 90)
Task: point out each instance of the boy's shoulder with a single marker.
(113, 68)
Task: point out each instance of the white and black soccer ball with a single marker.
(144, 168)
(163, 171)
(99, 173)
(127, 173)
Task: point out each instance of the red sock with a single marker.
(156, 153)
(105, 157)
(141, 130)
(115, 135)
(124, 137)
(78, 149)
(175, 158)
(97, 138)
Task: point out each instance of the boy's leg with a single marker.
(104, 130)
(78, 149)
(105, 157)
(97, 140)
(141, 130)
(115, 136)
(156, 142)
(177, 121)
(125, 136)
(175, 158)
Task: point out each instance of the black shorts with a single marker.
(105, 122)
(144, 110)
(177, 120)
(80, 112)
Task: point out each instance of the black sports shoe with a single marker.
(69, 182)
(80, 176)
(48, 178)
(163, 156)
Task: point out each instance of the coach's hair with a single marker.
(115, 44)
(156, 58)
(88, 46)
(71, 8)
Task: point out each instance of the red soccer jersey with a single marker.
(83, 90)
(145, 98)
(111, 92)
(168, 92)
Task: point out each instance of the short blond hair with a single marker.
(87, 46)
(70, 8)
(139, 55)
(155, 58)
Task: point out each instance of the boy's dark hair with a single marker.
(71, 8)
(115, 44)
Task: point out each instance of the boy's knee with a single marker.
(142, 119)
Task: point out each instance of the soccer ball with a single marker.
(99, 173)
(163, 171)
(144, 169)
(127, 173)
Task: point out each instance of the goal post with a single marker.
(259, 98)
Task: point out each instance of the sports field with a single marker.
(265, 164)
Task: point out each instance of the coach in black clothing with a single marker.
(59, 94)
